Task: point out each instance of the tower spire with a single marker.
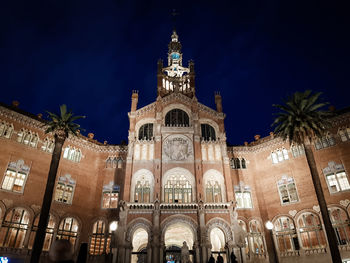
(175, 77)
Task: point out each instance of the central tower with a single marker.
(175, 77)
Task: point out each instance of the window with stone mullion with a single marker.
(146, 132)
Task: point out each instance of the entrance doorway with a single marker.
(139, 246)
(217, 240)
(174, 236)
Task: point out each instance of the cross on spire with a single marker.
(173, 18)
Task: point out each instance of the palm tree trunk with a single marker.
(332, 240)
(46, 204)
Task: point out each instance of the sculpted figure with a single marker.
(185, 253)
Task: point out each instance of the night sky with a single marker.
(90, 55)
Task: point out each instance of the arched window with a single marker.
(142, 192)
(336, 178)
(177, 118)
(178, 190)
(243, 196)
(256, 240)
(208, 132)
(15, 177)
(244, 166)
(146, 132)
(287, 190)
(6, 130)
(48, 145)
(72, 154)
(243, 225)
(324, 142)
(344, 134)
(110, 195)
(213, 192)
(97, 240)
(109, 238)
(14, 228)
(286, 236)
(340, 222)
(114, 162)
(237, 163)
(311, 233)
(65, 189)
(68, 229)
(279, 155)
(297, 150)
(48, 236)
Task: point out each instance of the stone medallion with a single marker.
(177, 148)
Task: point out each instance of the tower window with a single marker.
(208, 132)
(177, 118)
(146, 132)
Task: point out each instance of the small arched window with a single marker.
(177, 118)
(208, 132)
(48, 236)
(14, 228)
(285, 233)
(146, 132)
(68, 229)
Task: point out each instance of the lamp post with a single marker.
(113, 227)
(269, 226)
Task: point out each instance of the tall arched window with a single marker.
(213, 192)
(14, 228)
(146, 132)
(15, 177)
(48, 236)
(340, 222)
(311, 233)
(177, 118)
(68, 229)
(286, 236)
(256, 240)
(97, 240)
(208, 132)
(178, 190)
(287, 190)
(243, 225)
(142, 192)
(297, 150)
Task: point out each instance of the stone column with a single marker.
(196, 252)
(202, 232)
(121, 230)
(156, 233)
(161, 252)
(128, 249)
(149, 253)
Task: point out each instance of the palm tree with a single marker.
(300, 122)
(60, 125)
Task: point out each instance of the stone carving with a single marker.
(316, 208)
(292, 212)
(185, 253)
(345, 202)
(177, 148)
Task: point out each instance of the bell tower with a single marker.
(175, 77)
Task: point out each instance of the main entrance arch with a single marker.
(175, 231)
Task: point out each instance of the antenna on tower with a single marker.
(174, 14)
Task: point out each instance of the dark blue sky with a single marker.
(90, 55)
